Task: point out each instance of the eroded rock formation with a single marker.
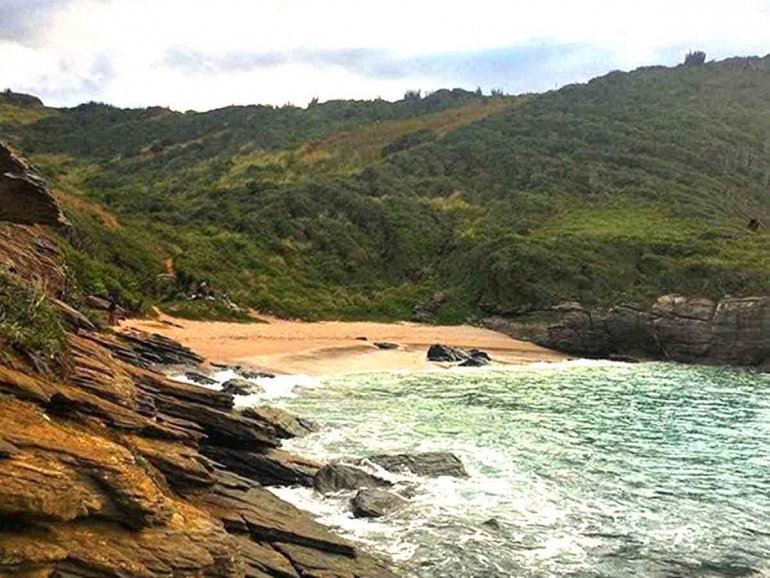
(24, 196)
(690, 330)
(109, 469)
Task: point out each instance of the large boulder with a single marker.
(24, 196)
(429, 464)
(336, 477)
(375, 503)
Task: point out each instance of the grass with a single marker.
(28, 322)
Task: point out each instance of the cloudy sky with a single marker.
(202, 54)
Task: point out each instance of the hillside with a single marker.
(631, 186)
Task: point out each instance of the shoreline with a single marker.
(334, 347)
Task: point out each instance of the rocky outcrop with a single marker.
(109, 469)
(733, 331)
(24, 196)
(336, 477)
(375, 503)
(445, 353)
(240, 386)
(429, 464)
(285, 424)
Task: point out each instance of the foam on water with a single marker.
(588, 468)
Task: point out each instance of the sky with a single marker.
(202, 54)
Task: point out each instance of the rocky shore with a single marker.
(110, 469)
(731, 331)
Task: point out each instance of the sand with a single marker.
(331, 348)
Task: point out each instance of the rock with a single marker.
(683, 329)
(200, 379)
(241, 387)
(477, 353)
(24, 196)
(7, 449)
(72, 317)
(148, 349)
(285, 424)
(310, 564)
(375, 503)
(362, 338)
(492, 524)
(475, 362)
(446, 353)
(271, 467)
(251, 374)
(385, 345)
(335, 477)
(430, 464)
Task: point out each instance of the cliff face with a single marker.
(103, 462)
(689, 330)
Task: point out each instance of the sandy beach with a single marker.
(327, 348)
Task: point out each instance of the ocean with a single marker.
(579, 469)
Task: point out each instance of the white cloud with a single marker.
(65, 61)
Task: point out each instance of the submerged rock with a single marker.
(385, 345)
(429, 464)
(241, 387)
(335, 477)
(375, 503)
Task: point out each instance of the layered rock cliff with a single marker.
(24, 198)
(109, 469)
(684, 329)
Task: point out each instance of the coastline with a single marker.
(332, 347)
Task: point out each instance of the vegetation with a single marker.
(630, 186)
(27, 320)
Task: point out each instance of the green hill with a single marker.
(630, 186)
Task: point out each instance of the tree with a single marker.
(413, 95)
(697, 58)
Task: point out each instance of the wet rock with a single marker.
(430, 464)
(375, 503)
(385, 345)
(479, 354)
(310, 564)
(285, 424)
(199, 378)
(241, 387)
(335, 477)
(492, 524)
(475, 362)
(445, 353)
(251, 374)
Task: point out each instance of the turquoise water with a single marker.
(587, 469)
